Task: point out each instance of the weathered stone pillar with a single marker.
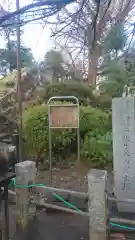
(97, 208)
(25, 175)
(123, 126)
(1, 220)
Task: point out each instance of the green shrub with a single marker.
(35, 121)
(95, 120)
(35, 130)
(97, 149)
(81, 91)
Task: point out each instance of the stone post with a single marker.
(25, 175)
(97, 206)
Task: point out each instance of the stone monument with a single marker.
(123, 125)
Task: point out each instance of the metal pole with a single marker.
(78, 136)
(50, 147)
(78, 145)
(19, 84)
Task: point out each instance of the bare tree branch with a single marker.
(87, 24)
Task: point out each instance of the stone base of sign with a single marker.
(126, 207)
(117, 236)
(119, 218)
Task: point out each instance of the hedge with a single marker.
(79, 90)
(84, 93)
(94, 125)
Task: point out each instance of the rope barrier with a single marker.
(122, 226)
(13, 184)
(43, 186)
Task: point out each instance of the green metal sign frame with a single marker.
(72, 121)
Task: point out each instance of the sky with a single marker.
(34, 36)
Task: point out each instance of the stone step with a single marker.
(2, 93)
(122, 236)
(117, 236)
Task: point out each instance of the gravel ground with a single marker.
(58, 226)
(73, 178)
(52, 227)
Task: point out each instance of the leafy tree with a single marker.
(118, 75)
(55, 64)
(8, 57)
(116, 39)
(115, 79)
(61, 69)
(119, 78)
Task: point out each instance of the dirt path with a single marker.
(58, 226)
(73, 178)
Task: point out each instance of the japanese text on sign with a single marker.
(64, 117)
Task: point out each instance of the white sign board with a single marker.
(123, 120)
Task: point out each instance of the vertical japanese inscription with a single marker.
(123, 119)
(126, 138)
(124, 145)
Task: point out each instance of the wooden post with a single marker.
(1, 219)
(19, 90)
(97, 209)
(25, 175)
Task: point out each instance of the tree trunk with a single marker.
(9, 50)
(92, 68)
